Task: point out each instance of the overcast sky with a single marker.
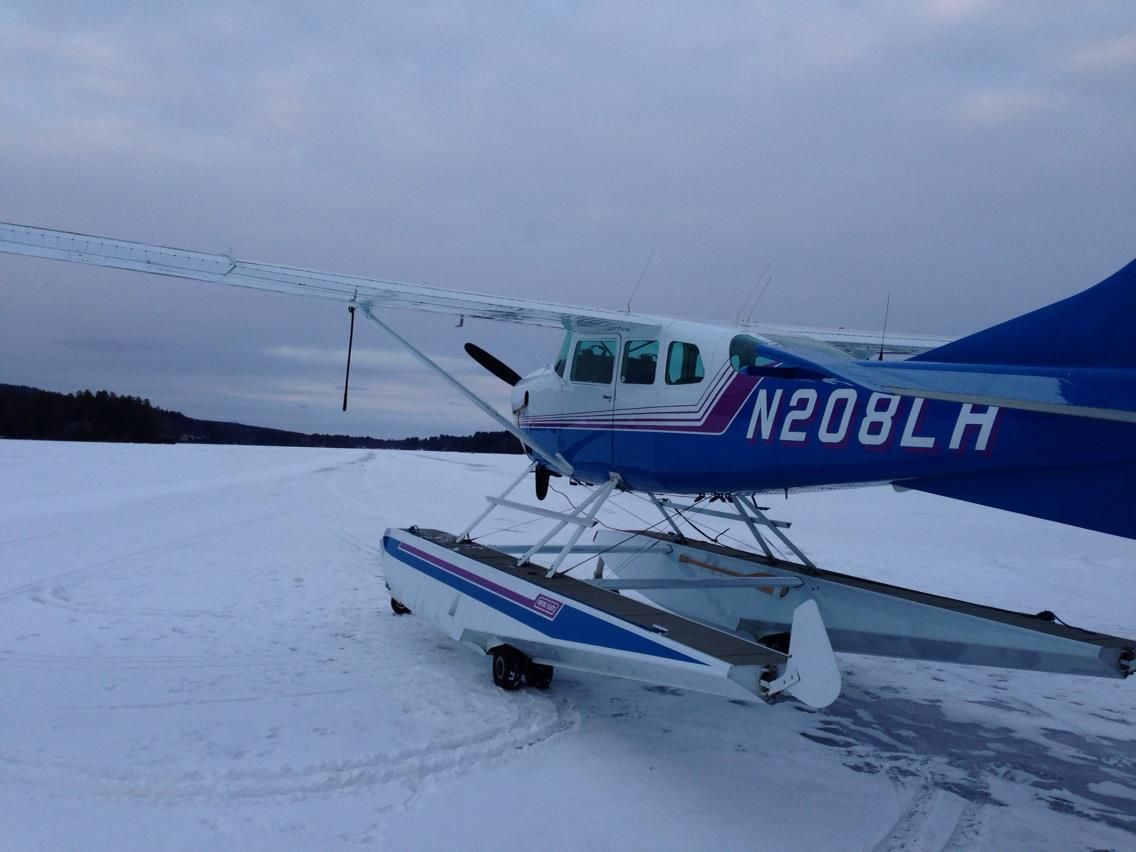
(974, 159)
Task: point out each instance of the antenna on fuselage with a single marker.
(761, 295)
(883, 334)
(635, 289)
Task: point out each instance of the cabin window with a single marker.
(562, 358)
(744, 352)
(684, 364)
(639, 360)
(594, 361)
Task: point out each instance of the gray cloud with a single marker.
(971, 158)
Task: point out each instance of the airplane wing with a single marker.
(378, 293)
(859, 344)
(373, 292)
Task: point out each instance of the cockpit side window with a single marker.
(594, 361)
(562, 358)
(744, 352)
(639, 360)
(684, 364)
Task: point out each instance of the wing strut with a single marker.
(557, 462)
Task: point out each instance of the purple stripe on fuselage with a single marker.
(694, 410)
(725, 409)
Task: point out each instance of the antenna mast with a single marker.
(635, 289)
(883, 334)
(760, 296)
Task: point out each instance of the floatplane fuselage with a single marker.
(695, 408)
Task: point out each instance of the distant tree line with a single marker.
(84, 416)
(103, 416)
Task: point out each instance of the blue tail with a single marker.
(1095, 497)
(1095, 328)
(1080, 355)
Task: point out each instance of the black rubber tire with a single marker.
(398, 607)
(539, 676)
(508, 668)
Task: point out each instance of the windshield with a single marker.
(744, 353)
(562, 358)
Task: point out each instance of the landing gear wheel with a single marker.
(398, 607)
(542, 475)
(538, 676)
(508, 667)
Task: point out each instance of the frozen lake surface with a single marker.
(197, 652)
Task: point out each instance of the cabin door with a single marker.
(589, 399)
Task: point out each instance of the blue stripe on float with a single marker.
(570, 624)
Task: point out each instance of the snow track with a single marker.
(538, 720)
(930, 820)
(196, 651)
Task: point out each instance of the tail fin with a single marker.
(1095, 328)
(1076, 357)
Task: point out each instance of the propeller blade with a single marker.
(498, 368)
(542, 477)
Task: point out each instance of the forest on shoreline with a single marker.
(31, 413)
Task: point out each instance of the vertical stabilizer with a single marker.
(1094, 328)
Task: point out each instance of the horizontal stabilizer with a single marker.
(1075, 357)
(1099, 498)
(1094, 328)
(1099, 392)
(1105, 394)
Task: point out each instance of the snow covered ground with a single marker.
(196, 651)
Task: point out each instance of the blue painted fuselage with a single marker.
(781, 424)
(771, 434)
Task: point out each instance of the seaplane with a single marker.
(1035, 415)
